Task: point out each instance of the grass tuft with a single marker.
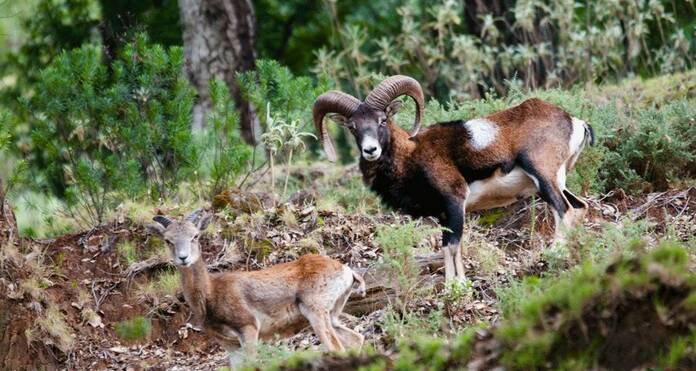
(134, 330)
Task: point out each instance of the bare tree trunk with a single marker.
(219, 40)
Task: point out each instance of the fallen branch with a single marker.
(154, 262)
(379, 292)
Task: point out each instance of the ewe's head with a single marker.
(367, 120)
(182, 235)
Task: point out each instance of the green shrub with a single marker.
(401, 324)
(13, 172)
(398, 262)
(135, 329)
(557, 306)
(283, 103)
(652, 148)
(228, 154)
(166, 283)
(100, 135)
(128, 252)
(461, 52)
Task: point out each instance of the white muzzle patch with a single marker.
(370, 148)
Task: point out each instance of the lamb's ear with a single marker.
(162, 220)
(156, 229)
(393, 108)
(204, 221)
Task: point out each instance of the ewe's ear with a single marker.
(162, 220)
(393, 108)
(204, 221)
(339, 119)
(156, 229)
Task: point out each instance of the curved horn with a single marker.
(394, 87)
(331, 102)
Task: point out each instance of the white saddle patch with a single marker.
(483, 132)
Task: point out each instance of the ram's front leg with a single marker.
(445, 177)
(452, 237)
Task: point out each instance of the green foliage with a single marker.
(652, 148)
(229, 154)
(164, 284)
(681, 352)
(459, 50)
(398, 262)
(45, 28)
(564, 322)
(266, 354)
(100, 136)
(14, 172)
(401, 324)
(50, 26)
(128, 252)
(623, 240)
(134, 330)
(273, 86)
(351, 195)
(284, 103)
(535, 330)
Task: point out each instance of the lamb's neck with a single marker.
(393, 161)
(196, 284)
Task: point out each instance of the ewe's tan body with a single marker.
(277, 301)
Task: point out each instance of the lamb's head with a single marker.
(367, 120)
(181, 235)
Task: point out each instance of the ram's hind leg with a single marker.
(577, 209)
(547, 182)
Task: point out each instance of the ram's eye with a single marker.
(195, 237)
(168, 241)
(383, 122)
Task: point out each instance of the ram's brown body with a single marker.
(455, 166)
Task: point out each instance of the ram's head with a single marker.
(368, 120)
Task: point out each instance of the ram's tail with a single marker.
(360, 289)
(589, 134)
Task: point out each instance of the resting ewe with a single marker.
(455, 166)
(278, 300)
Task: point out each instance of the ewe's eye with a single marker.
(195, 237)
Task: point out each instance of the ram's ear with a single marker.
(393, 108)
(339, 119)
(156, 229)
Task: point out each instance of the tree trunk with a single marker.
(8, 223)
(219, 40)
